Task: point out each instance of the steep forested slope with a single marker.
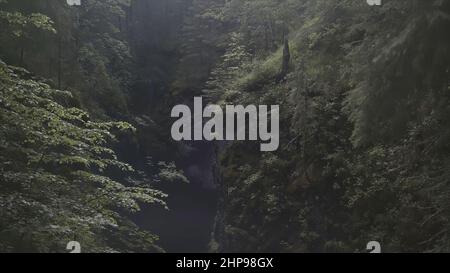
(365, 126)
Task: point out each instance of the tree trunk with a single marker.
(22, 51)
(59, 60)
(286, 60)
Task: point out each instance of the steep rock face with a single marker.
(155, 28)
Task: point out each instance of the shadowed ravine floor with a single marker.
(187, 226)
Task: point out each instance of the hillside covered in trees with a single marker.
(86, 152)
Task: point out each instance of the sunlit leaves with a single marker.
(57, 170)
(20, 23)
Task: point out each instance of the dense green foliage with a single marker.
(365, 125)
(85, 50)
(59, 177)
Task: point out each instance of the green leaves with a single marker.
(41, 22)
(19, 23)
(60, 177)
(169, 173)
